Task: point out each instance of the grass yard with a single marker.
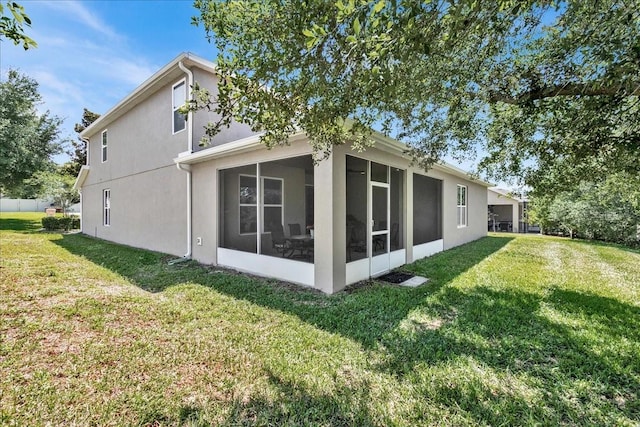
(510, 330)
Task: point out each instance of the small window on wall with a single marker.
(104, 146)
(248, 204)
(272, 203)
(106, 203)
(462, 206)
(179, 98)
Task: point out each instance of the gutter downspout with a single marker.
(187, 168)
(87, 160)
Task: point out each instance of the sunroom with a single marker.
(345, 219)
(266, 218)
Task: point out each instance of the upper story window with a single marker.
(87, 149)
(179, 96)
(462, 206)
(104, 146)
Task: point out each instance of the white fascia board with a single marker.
(239, 146)
(82, 176)
(455, 171)
(399, 148)
(252, 143)
(145, 89)
(501, 193)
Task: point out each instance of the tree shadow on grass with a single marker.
(365, 313)
(563, 345)
(294, 405)
(21, 225)
(507, 332)
(282, 403)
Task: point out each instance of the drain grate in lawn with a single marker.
(396, 277)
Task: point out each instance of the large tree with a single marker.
(605, 210)
(78, 149)
(530, 83)
(13, 20)
(28, 138)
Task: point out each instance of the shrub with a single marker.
(51, 223)
(64, 223)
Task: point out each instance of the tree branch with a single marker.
(569, 89)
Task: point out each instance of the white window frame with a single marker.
(461, 205)
(260, 201)
(87, 149)
(280, 205)
(174, 108)
(241, 205)
(104, 144)
(106, 207)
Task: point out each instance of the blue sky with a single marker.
(93, 53)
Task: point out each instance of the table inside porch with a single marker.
(302, 243)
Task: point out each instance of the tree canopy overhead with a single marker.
(78, 150)
(533, 83)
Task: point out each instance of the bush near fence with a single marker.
(66, 223)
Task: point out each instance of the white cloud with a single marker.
(57, 87)
(79, 13)
(130, 70)
(74, 65)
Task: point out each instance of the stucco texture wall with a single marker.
(148, 210)
(476, 212)
(148, 192)
(234, 132)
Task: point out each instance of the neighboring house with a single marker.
(268, 212)
(506, 212)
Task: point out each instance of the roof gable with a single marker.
(166, 74)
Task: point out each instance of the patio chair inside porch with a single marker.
(279, 242)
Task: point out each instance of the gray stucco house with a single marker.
(268, 212)
(505, 210)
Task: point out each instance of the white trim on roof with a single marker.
(501, 192)
(140, 93)
(239, 146)
(252, 143)
(82, 176)
(399, 148)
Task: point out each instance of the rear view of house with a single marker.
(355, 215)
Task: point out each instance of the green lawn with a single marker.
(510, 330)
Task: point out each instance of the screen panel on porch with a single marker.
(356, 193)
(272, 199)
(396, 209)
(238, 208)
(427, 209)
